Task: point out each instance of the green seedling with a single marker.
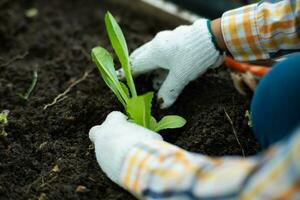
(31, 12)
(137, 107)
(26, 96)
(249, 119)
(3, 123)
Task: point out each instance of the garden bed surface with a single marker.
(47, 153)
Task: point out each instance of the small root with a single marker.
(62, 96)
(17, 57)
(86, 55)
(234, 132)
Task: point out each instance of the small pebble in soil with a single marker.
(55, 169)
(43, 146)
(70, 118)
(42, 196)
(91, 147)
(31, 12)
(81, 189)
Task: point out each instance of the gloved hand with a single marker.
(113, 140)
(185, 53)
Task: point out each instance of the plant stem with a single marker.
(130, 82)
(32, 86)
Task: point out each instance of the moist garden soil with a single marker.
(47, 153)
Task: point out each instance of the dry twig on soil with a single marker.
(234, 132)
(17, 57)
(62, 95)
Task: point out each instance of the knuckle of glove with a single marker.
(94, 132)
(163, 41)
(108, 126)
(164, 48)
(182, 30)
(115, 117)
(162, 35)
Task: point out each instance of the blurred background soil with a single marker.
(47, 153)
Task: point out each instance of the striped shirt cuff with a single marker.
(241, 34)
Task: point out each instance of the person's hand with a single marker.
(113, 140)
(184, 53)
(244, 82)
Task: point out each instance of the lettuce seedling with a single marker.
(138, 107)
(3, 123)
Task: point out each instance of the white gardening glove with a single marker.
(113, 140)
(186, 53)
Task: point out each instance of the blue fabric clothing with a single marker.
(275, 106)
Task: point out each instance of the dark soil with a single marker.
(47, 153)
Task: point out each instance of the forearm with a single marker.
(165, 171)
(259, 31)
(217, 32)
(161, 170)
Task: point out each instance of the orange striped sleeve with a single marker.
(159, 170)
(259, 31)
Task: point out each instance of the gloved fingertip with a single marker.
(116, 116)
(140, 53)
(162, 103)
(135, 57)
(135, 60)
(93, 132)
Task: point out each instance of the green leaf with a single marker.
(153, 123)
(105, 65)
(118, 42)
(170, 122)
(125, 88)
(117, 38)
(3, 118)
(139, 109)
